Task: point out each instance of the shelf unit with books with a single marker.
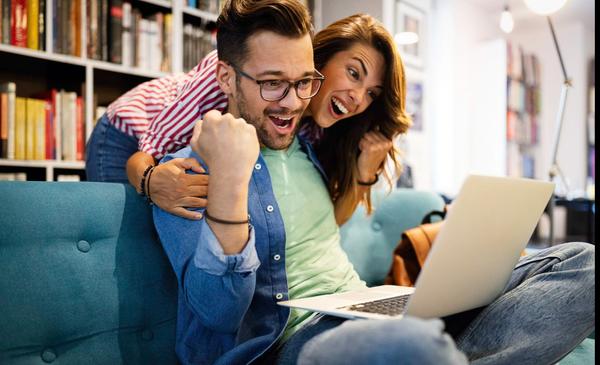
(523, 97)
(103, 49)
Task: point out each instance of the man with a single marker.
(235, 264)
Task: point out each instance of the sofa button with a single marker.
(147, 335)
(376, 226)
(48, 356)
(83, 246)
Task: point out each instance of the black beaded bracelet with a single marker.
(222, 221)
(371, 183)
(143, 182)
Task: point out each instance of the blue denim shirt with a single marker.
(227, 310)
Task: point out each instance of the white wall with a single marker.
(460, 30)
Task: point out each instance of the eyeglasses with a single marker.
(275, 90)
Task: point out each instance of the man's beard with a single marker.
(265, 139)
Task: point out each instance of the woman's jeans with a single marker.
(547, 308)
(107, 152)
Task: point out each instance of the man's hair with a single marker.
(240, 19)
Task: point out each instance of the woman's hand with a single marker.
(173, 190)
(374, 148)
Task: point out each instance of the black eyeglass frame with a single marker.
(320, 77)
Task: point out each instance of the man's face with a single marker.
(273, 57)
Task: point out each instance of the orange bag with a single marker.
(411, 252)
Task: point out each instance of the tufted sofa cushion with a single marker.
(83, 280)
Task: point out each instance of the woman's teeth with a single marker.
(339, 108)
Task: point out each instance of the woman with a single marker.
(352, 121)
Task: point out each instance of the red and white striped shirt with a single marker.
(161, 113)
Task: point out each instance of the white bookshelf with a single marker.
(89, 68)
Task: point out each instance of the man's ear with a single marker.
(226, 77)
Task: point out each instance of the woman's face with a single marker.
(353, 79)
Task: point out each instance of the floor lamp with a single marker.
(546, 8)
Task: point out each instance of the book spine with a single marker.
(32, 23)
(65, 25)
(79, 153)
(49, 131)
(126, 40)
(30, 129)
(56, 28)
(19, 23)
(20, 128)
(6, 21)
(3, 125)
(115, 31)
(104, 29)
(76, 27)
(42, 25)
(40, 130)
(92, 22)
(11, 95)
(58, 118)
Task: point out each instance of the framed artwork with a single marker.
(414, 103)
(410, 18)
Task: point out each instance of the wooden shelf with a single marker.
(73, 165)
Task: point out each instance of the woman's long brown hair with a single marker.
(337, 149)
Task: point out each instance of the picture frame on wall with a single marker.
(410, 18)
(414, 102)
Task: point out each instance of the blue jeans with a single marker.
(108, 150)
(547, 308)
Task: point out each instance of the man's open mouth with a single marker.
(282, 123)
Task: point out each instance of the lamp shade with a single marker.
(545, 7)
(507, 22)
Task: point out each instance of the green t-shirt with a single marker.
(315, 262)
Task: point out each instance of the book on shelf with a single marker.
(50, 126)
(115, 31)
(8, 92)
(18, 23)
(13, 176)
(68, 178)
(210, 6)
(33, 12)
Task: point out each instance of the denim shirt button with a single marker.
(279, 296)
(258, 166)
(270, 209)
(277, 257)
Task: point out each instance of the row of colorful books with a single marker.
(116, 31)
(50, 127)
(522, 66)
(23, 23)
(120, 33)
(198, 41)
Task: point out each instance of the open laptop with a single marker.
(470, 263)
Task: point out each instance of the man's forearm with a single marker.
(136, 165)
(228, 200)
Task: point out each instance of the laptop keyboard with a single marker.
(393, 306)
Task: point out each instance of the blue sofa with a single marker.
(84, 279)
